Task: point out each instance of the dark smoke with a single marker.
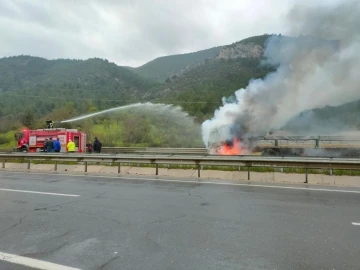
(318, 68)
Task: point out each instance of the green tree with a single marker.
(28, 119)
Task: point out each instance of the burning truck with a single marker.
(281, 143)
(234, 144)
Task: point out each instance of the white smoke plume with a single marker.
(318, 67)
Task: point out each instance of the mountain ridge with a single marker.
(65, 87)
(161, 68)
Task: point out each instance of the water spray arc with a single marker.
(145, 107)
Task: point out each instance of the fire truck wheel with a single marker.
(23, 149)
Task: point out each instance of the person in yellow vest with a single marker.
(71, 146)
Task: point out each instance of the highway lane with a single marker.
(106, 223)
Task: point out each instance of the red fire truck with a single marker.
(33, 140)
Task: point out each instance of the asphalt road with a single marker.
(142, 224)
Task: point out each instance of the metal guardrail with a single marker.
(322, 142)
(155, 150)
(260, 143)
(243, 161)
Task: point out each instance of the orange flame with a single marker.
(235, 149)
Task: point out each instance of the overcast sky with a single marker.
(133, 32)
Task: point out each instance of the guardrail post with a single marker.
(28, 164)
(248, 173)
(157, 169)
(119, 170)
(85, 166)
(198, 170)
(55, 166)
(3, 163)
(306, 176)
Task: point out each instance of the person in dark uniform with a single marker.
(49, 123)
(45, 144)
(50, 145)
(97, 145)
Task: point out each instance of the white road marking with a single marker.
(39, 192)
(200, 182)
(33, 263)
(355, 223)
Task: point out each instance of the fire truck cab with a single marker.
(33, 140)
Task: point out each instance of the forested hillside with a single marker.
(200, 90)
(165, 67)
(32, 89)
(327, 120)
(32, 85)
(35, 88)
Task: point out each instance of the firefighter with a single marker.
(50, 145)
(44, 145)
(49, 123)
(97, 145)
(71, 146)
